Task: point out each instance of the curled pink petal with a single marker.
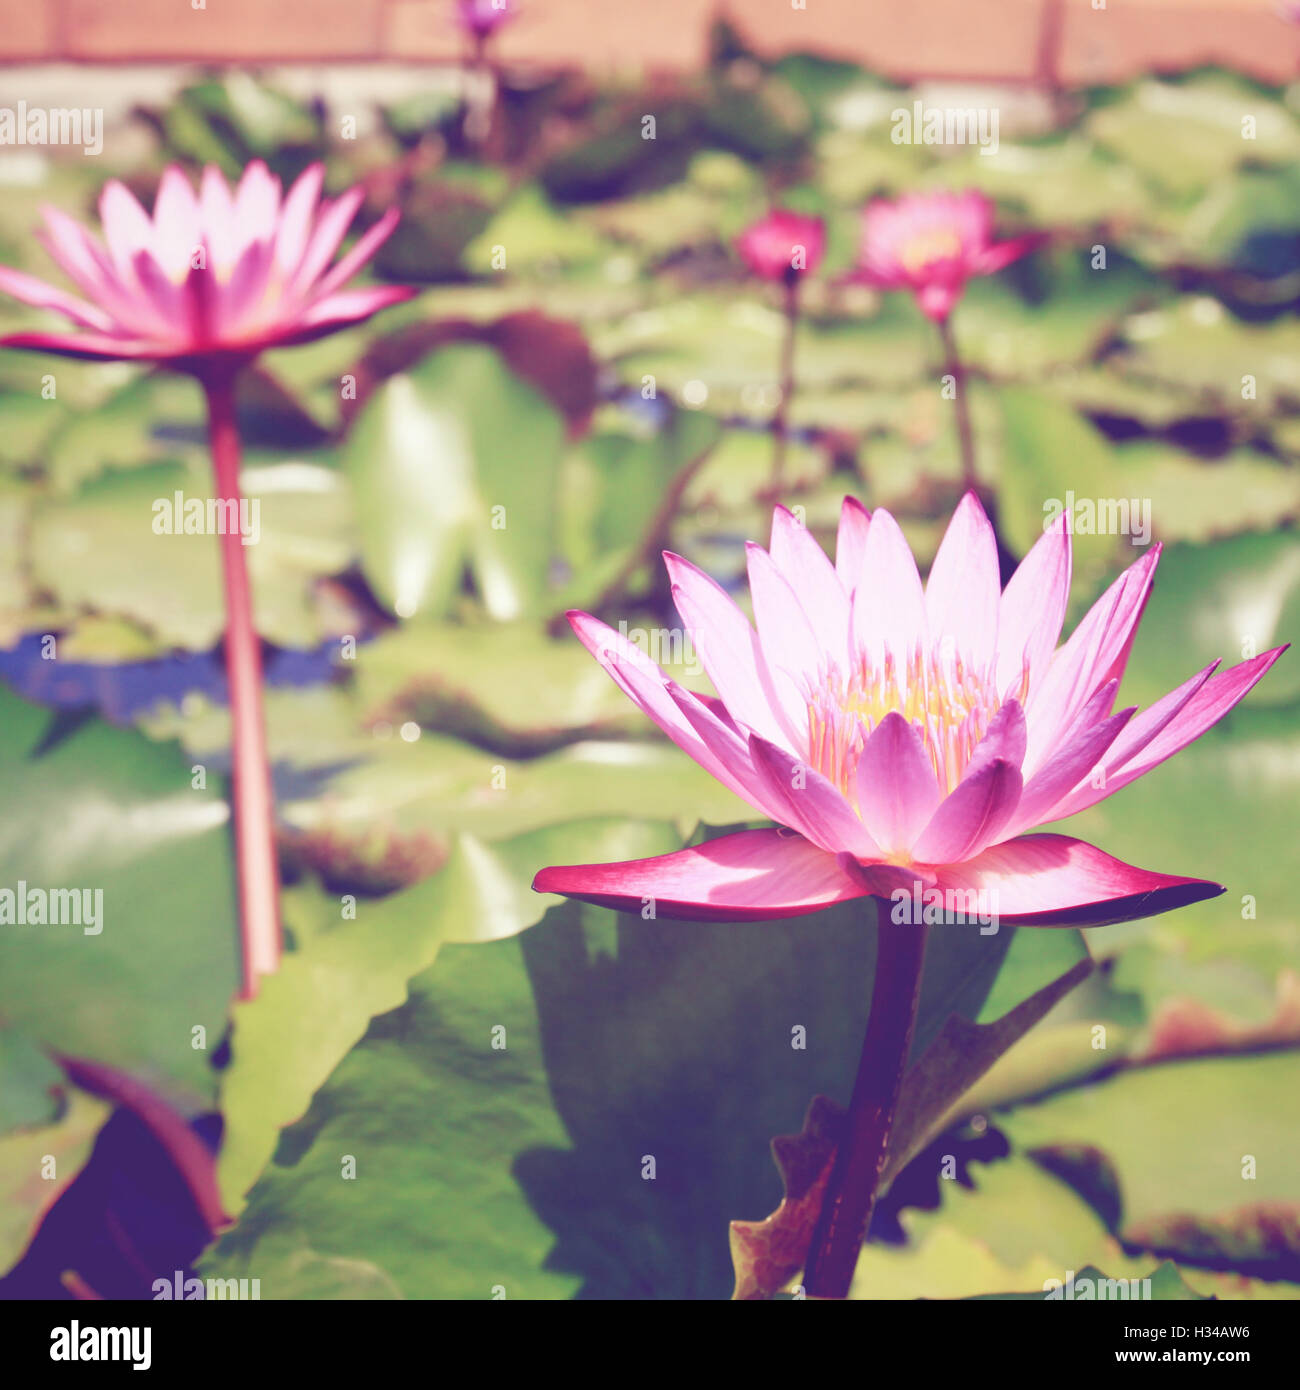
(39, 295)
(750, 876)
(812, 805)
(972, 816)
(1057, 881)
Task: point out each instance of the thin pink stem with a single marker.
(781, 420)
(255, 853)
(955, 368)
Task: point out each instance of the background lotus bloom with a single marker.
(203, 286)
(931, 244)
(897, 732)
(784, 247)
(783, 244)
(482, 18)
(224, 273)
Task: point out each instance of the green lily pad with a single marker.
(440, 485)
(619, 1120)
(104, 811)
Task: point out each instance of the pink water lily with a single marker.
(783, 244)
(202, 286)
(899, 733)
(225, 272)
(932, 244)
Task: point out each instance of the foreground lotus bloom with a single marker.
(899, 733)
(218, 275)
(932, 244)
(782, 245)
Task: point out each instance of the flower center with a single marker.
(923, 249)
(948, 703)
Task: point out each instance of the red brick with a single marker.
(1130, 37)
(222, 31)
(599, 34)
(27, 31)
(978, 39)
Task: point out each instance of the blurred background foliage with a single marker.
(589, 357)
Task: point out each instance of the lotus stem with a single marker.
(781, 420)
(954, 367)
(256, 864)
(860, 1158)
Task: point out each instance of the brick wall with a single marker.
(1089, 40)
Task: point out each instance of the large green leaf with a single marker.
(454, 467)
(104, 810)
(625, 1041)
(354, 959)
(97, 550)
(1150, 1123)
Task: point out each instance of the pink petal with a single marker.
(217, 210)
(244, 293)
(971, 816)
(729, 651)
(160, 307)
(897, 790)
(888, 604)
(1097, 651)
(367, 244)
(812, 805)
(176, 222)
(29, 290)
(784, 631)
(331, 226)
(994, 258)
(1032, 608)
(296, 218)
(1210, 701)
(1005, 739)
(1057, 881)
(257, 203)
(127, 228)
(963, 591)
(1062, 772)
(746, 877)
(99, 277)
(805, 566)
(851, 543)
(90, 346)
(346, 307)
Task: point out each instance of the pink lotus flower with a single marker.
(223, 274)
(899, 733)
(482, 18)
(783, 244)
(931, 244)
